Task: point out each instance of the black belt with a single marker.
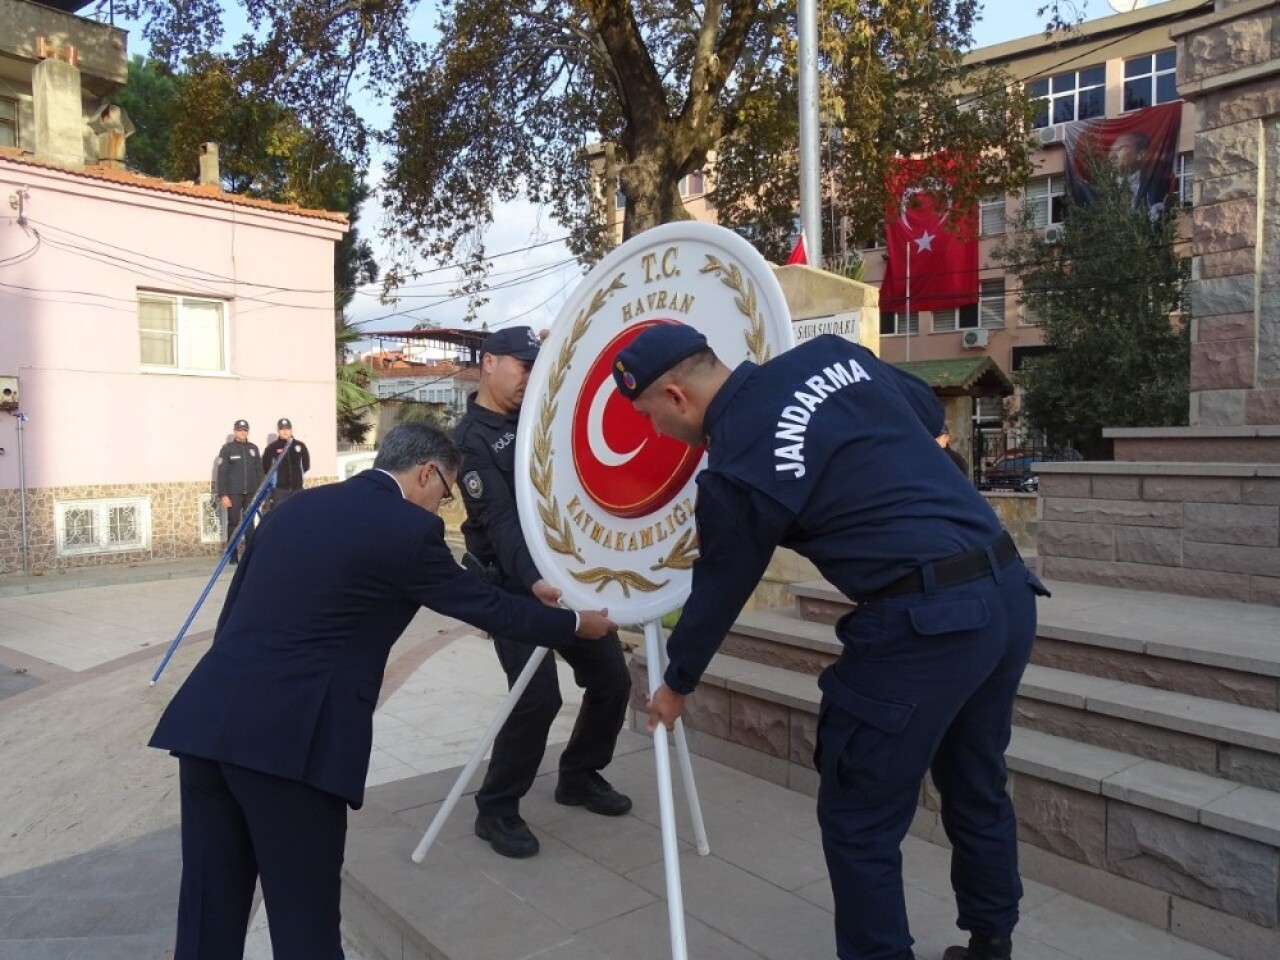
(961, 568)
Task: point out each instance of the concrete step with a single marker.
(1181, 848)
(1218, 649)
(780, 637)
(1210, 737)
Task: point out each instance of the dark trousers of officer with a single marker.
(239, 825)
(239, 504)
(926, 683)
(600, 669)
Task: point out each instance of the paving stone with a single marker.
(1246, 812)
(1207, 866)
(777, 924)
(1222, 932)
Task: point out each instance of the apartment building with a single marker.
(1111, 67)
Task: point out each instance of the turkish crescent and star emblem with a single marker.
(605, 504)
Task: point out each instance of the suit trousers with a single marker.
(926, 683)
(239, 825)
(600, 669)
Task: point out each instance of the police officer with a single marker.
(831, 452)
(293, 468)
(496, 551)
(239, 473)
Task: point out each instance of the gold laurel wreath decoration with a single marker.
(626, 579)
(731, 276)
(682, 554)
(556, 529)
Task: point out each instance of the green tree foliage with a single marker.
(1111, 300)
(508, 94)
(265, 151)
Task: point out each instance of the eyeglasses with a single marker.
(448, 490)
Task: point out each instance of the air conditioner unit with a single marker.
(1054, 233)
(973, 339)
(1050, 135)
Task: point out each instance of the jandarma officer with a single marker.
(831, 452)
(239, 473)
(496, 551)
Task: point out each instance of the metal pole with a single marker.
(686, 770)
(907, 321)
(810, 156)
(666, 805)
(486, 740)
(22, 496)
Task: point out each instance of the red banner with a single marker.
(933, 256)
(1141, 145)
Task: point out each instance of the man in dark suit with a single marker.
(273, 728)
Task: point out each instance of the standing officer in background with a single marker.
(295, 466)
(829, 451)
(496, 551)
(274, 725)
(239, 473)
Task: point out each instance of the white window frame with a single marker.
(693, 184)
(991, 301)
(180, 302)
(1055, 187)
(104, 537)
(1056, 90)
(1184, 170)
(1152, 74)
(955, 319)
(11, 122)
(991, 215)
(912, 324)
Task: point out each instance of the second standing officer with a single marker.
(295, 466)
(496, 551)
(239, 473)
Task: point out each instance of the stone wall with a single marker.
(175, 524)
(1208, 530)
(1229, 67)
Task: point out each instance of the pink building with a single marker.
(138, 319)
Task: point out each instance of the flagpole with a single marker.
(810, 159)
(908, 320)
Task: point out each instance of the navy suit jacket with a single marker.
(331, 580)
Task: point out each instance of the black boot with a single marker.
(983, 946)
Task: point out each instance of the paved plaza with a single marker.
(89, 854)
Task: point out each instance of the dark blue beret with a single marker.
(652, 354)
(519, 342)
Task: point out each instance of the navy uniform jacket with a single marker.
(831, 452)
(331, 581)
(295, 466)
(239, 468)
(492, 528)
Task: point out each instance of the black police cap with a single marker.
(519, 342)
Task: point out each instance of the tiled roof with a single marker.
(131, 179)
(978, 376)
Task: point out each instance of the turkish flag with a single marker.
(798, 254)
(941, 269)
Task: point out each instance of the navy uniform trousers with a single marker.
(926, 683)
(600, 668)
(239, 824)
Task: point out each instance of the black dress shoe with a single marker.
(983, 946)
(595, 793)
(508, 834)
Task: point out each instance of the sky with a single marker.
(532, 285)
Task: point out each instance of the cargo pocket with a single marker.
(857, 740)
(934, 618)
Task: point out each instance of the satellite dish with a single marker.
(1126, 6)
